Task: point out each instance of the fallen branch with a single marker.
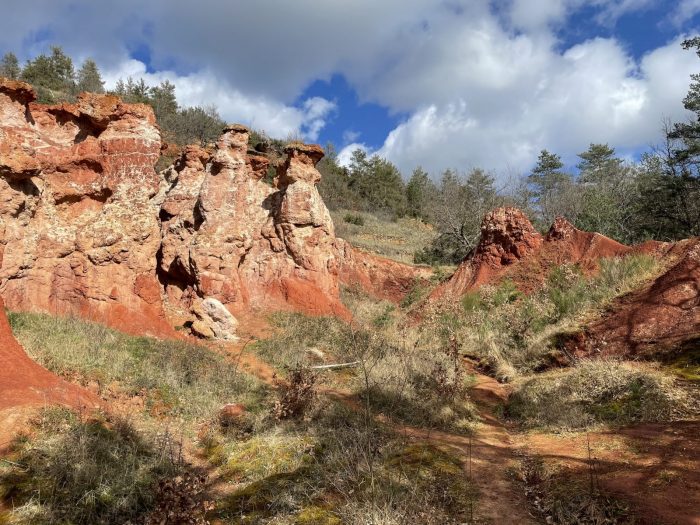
(339, 365)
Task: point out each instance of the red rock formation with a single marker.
(230, 236)
(88, 227)
(23, 382)
(660, 317)
(511, 248)
(78, 216)
(507, 236)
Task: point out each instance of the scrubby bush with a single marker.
(597, 391)
(356, 219)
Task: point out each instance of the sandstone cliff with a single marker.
(87, 226)
(79, 225)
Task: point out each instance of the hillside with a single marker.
(208, 343)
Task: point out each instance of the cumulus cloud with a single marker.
(205, 88)
(594, 92)
(482, 82)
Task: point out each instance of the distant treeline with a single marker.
(656, 197)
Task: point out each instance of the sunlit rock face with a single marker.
(88, 228)
(79, 228)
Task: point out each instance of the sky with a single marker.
(438, 83)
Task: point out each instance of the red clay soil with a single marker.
(23, 383)
(511, 248)
(655, 468)
(378, 276)
(658, 318)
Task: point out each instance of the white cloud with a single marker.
(594, 92)
(685, 10)
(261, 113)
(479, 85)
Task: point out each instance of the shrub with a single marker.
(356, 219)
(295, 395)
(597, 391)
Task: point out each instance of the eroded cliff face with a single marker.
(79, 227)
(87, 227)
(251, 245)
(511, 248)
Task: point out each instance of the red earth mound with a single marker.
(511, 248)
(660, 317)
(24, 383)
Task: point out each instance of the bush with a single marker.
(594, 392)
(296, 394)
(86, 471)
(357, 219)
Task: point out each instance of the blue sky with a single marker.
(438, 83)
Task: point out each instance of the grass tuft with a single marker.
(595, 392)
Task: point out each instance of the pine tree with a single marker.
(89, 78)
(9, 67)
(52, 76)
(419, 192)
(678, 188)
(551, 189)
(607, 190)
(164, 103)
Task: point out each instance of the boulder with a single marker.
(214, 320)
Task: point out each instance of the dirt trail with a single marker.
(655, 467)
(491, 448)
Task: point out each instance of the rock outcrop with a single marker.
(79, 225)
(87, 226)
(231, 236)
(511, 248)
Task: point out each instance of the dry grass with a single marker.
(401, 372)
(175, 378)
(86, 471)
(595, 392)
(397, 240)
(514, 335)
(340, 467)
(561, 499)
